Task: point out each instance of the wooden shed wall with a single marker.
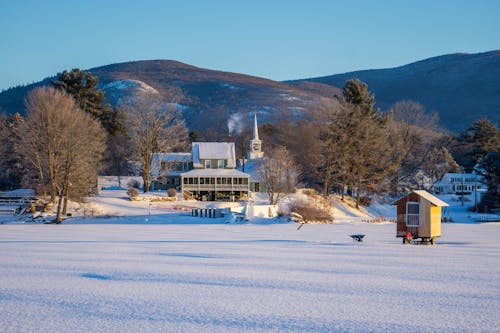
(401, 227)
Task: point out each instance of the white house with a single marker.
(214, 176)
(458, 183)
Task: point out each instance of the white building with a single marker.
(255, 155)
(214, 176)
(459, 183)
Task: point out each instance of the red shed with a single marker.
(419, 213)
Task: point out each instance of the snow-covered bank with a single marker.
(246, 278)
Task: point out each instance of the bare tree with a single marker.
(278, 174)
(155, 126)
(60, 145)
(414, 132)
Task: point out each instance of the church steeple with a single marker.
(255, 127)
(255, 150)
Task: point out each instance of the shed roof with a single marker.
(427, 196)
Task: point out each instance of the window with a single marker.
(176, 181)
(412, 214)
(220, 164)
(208, 164)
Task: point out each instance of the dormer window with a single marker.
(220, 164)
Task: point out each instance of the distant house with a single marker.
(459, 183)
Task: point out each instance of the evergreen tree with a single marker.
(10, 165)
(476, 142)
(356, 143)
(490, 170)
(82, 86)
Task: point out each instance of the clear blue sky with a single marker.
(274, 39)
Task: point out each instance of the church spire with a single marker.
(255, 150)
(255, 127)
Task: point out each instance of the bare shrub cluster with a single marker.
(312, 208)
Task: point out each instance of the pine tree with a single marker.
(83, 86)
(476, 142)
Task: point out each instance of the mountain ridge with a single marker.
(458, 86)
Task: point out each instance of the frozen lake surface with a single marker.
(246, 278)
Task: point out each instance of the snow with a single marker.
(130, 84)
(168, 271)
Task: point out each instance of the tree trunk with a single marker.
(65, 206)
(59, 204)
(358, 193)
(146, 184)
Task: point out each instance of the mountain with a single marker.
(459, 87)
(207, 97)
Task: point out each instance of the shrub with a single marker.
(171, 192)
(132, 193)
(134, 183)
(313, 208)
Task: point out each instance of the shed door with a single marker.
(412, 214)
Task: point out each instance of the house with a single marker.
(419, 213)
(459, 183)
(214, 176)
(167, 169)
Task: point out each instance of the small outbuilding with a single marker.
(419, 213)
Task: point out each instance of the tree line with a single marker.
(69, 134)
(351, 147)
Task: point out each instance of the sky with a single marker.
(275, 39)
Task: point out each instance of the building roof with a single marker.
(215, 173)
(158, 158)
(173, 157)
(427, 196)
(252, 168)
(214, 151)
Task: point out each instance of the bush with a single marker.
(132, 193)
(134, 183)
(314, 208)
(172, 192)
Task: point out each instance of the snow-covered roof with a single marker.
(173, 157)
(215, 173)
(427, 196)
(252, 168)
(214, 151)
(432, 199)
(158, 158)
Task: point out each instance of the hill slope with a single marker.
(206, 95)
(460, 87)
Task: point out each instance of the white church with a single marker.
(251, 164)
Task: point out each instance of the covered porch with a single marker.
(215, 184)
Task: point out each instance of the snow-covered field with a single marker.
(139, 268)
(246, 278)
